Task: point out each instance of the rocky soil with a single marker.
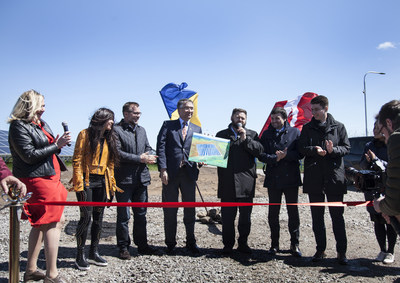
(211, 266)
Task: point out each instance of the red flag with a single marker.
(298, 111)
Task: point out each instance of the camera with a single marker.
(364, 180)
(372, 181)
(368, 180)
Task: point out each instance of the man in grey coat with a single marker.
(133, 177)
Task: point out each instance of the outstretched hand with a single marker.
(148, 158)
(63, 140)
(12, 181)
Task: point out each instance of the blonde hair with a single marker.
(27, 104)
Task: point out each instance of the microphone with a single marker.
(65, 126)
(238, 126)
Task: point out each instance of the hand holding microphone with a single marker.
(241, 131)
(65, 139)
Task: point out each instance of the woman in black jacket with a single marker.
(35, 162)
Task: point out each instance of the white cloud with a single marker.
(386, 45)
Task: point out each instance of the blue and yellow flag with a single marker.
(172, 93)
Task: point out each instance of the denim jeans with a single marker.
(132, 193)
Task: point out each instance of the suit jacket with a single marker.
(131, 144)
(286, 172)
(172, 149)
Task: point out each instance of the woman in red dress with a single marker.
(35, 162)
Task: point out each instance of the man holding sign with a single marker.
(177, 173)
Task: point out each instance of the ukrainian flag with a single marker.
(172, 93)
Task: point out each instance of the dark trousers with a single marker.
(183, 183)
(95, 192)
(291, 196)
(228, 222)
(132, 193)
(318, 223)
(383, 231)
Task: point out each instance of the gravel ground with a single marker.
(211, 266)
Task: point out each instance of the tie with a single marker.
(184, 130)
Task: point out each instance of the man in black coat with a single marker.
(282, 176)
(237, 182)
(132, 176)
(323, 142)
(178, 173)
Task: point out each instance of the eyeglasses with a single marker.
(315, 110)
(187, 108)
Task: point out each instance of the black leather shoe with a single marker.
(244, 249)
(148, 250)
(273, 250)
(124, 255)
(81, 261)
(193, 248)
(341, 257)
(171, 249)
(295, 250)
(318, 256)
(227, 250)
(95, 258)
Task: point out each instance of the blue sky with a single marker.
(82, 55)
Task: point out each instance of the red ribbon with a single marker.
(196, 204)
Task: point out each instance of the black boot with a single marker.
(97, 224)
(81, 262)
(95, 258)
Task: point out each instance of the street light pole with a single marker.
(365, 98)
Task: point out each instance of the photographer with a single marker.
(376, 151)
(389, 122)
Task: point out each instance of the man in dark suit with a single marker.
(237, 182)
(133, 177)
(282, 176)
(178, 173)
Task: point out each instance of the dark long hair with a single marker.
(97, 132)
